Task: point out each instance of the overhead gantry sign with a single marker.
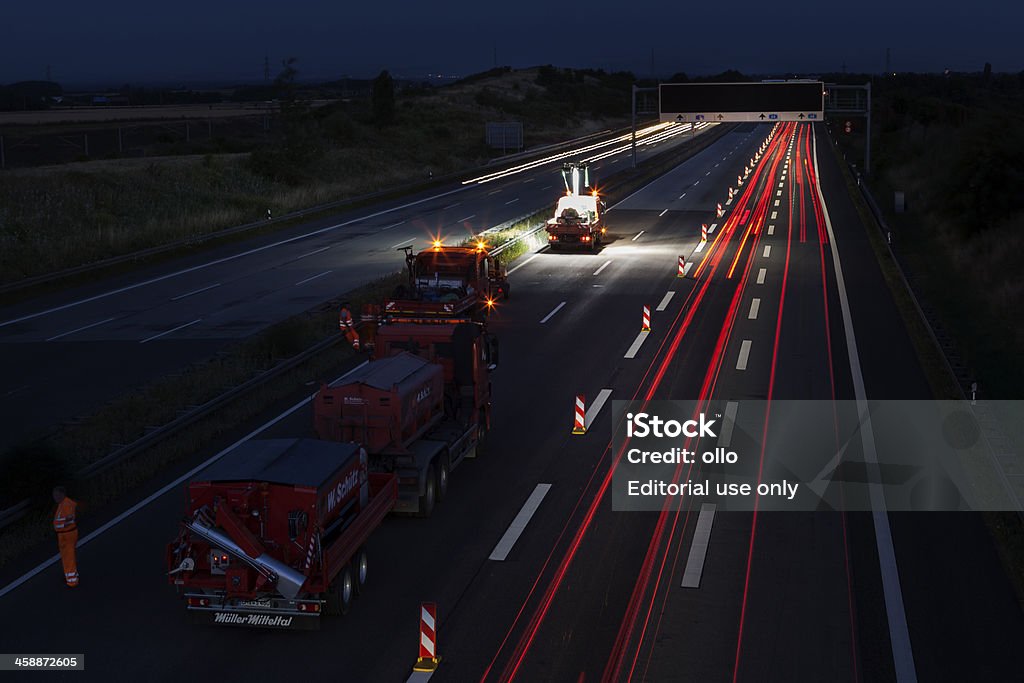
(766, 102)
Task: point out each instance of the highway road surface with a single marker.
(78, 348)
(585, 593)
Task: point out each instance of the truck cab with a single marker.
(445, 281)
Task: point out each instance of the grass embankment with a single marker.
(953, 145)
(60, 217)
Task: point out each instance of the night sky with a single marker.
(192, 40)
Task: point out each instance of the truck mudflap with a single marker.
(257, 614)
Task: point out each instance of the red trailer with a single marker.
(275, 533)
(420, 409)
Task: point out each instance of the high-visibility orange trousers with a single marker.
(67, 541)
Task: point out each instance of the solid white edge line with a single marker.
(164, 334)
(760, 275)
(556, 309)
(169, 487)
(80, 329)
(518, 525)
(899, 634)
(310, 253)
(634, 348)
(207, 288)
(595, 407)
(728, 423)
(512, 270)
(603, 266)
(310, 279)
(699, 547)
(755, 306)
(664, 302)
(741, 361)
(226, 259)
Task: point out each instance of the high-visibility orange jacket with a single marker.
(64, 518)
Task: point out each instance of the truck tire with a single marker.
(346, 589)
(481, 435)
(429, 498)
(362, 568)
(334, 599)
(443, 472)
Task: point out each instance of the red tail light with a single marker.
(198, 602)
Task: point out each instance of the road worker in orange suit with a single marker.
(347, 326)
(66, 526)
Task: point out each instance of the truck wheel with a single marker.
(481, 435)
(362, 570)
(429, 498)
(443, 471)
(346, 589)
(335, 602)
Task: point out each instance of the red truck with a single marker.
(449, 281)
(420, 409)
(578, 220)
(275, 533)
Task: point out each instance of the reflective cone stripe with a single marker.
(647, 319)
(682, 267)
(428, 658)
(704, 227)
(579, 425)
(720, 212)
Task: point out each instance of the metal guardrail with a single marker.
(13, 513)
(153, 437)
